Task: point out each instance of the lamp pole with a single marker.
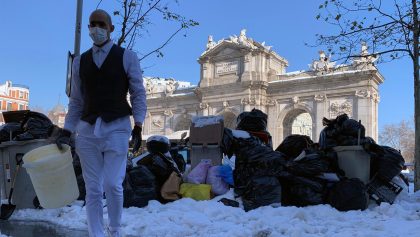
(77, 36)
(78, 29)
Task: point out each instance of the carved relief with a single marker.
(210, 43)
(225, 104)
(366, 58)
(363, 93)
(338, 107)
(157, 122)
(270, 102)
(249, 101)
(323, 64)
(203, 105)
(245, 101)
(149, 86)
(320, 97)
(376, 97)
(295, 100)
(168, 113)
(170, 86)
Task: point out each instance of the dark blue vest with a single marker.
(104, 89)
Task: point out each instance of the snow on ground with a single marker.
(187, 217)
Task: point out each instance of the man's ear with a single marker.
(112, 28)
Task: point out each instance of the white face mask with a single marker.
(98, 35)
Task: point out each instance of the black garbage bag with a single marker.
(139, 187)
(160, 166)
(252, 159)
(341, 131)
(35, 126)
(385, 162)
(9, 131)
(179, 159)
(310, 165)
(261, 191)
(348, 194)
(294, 144)
(301, 191)
(256, 120)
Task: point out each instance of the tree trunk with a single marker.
(416, 95)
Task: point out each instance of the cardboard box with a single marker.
(212, 153)
(211, 134)
(206, 134)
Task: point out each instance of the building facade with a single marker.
(238, 74)
(58, 115)
(13, 97)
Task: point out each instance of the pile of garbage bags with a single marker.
(27, 125)
(145, 180)
(301, 173)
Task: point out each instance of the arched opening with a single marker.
(184, 122)
(297, 121)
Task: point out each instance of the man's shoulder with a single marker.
(86, 52)
(130, 53)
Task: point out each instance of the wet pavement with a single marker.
(37, 229)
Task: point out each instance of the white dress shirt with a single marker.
(136, 89)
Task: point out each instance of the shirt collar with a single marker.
(106, 48)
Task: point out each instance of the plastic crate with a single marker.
(382, 191)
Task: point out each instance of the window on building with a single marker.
(21, 107)
(20, 94)
(9, 106)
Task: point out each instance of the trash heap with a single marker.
(345, 169)
(154, 177)
(25, 125)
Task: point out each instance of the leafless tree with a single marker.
(390, 28)
(137, 16)
(401, 137)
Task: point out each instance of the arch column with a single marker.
(320, 111)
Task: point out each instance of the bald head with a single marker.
(102, 14)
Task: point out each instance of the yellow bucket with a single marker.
(52, 175)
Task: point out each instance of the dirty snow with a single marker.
(187, 217)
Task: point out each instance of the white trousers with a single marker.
(103, 163)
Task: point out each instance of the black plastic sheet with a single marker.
(349, 194)
(256, 120)
(294, 144)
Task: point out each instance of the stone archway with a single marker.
(298, 121)
(183, 123)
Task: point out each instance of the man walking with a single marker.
(99, 114)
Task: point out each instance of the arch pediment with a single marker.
(225, 49)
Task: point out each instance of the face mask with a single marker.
(98, 35)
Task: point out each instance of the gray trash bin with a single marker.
(354, 161)
(10, 152)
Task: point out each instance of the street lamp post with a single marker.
(78, 29)
(77, 36)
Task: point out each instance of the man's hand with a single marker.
(63, 138)
(136, 138)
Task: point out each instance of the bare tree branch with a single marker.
(164, 44)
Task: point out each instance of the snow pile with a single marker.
(187, 217)
(202, 121)
(240, 134)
